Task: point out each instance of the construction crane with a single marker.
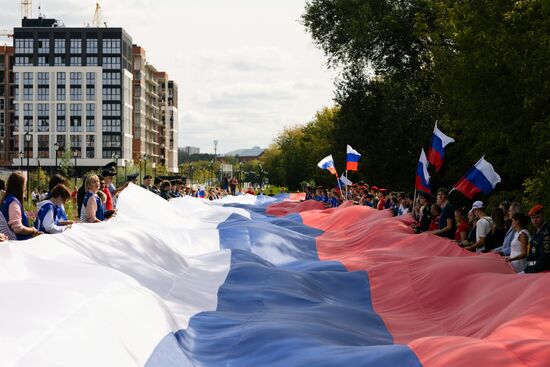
(26, 9)
(6, 33)
(98, 17)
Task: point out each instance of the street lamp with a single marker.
(75, 155)
(38, 175)
(21, 163)
(56, 148)
(191, 173)
(154, 166)
(145, 168)
(115, 158)
(28, 138)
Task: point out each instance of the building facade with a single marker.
(72, 92)
(155, 117)
(7, 143)
(191, 150)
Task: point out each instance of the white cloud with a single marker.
(245, 68)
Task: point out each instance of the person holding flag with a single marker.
(437, 150)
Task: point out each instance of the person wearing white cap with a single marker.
(483, 227)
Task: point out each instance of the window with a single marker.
(76, 78)
(61, 143)
(27, 78)
(43, 117)
(23, 46)
(111, 46)
(61, 124)
(59, 61)
(111, 110)
(90, 146)
(27, 94)
(44, 46)
(59, 47)
(76, 46)
(61, 78)
(61, 117)
(76, 117)
(76, 93)
(111, 141)
(76, 144)
(76, 61)
(111, 94)
(111, 78)
(112, 126)
(111, 63)
(23, 61)
(90, 93)
(91, 46)
(43, 93)
(43, 146)
(90, 78)
(91, 61)
(16, 78)
(27, 117)
(43, 78)
(43, 61)
(90, 118)
(61, 92)
(16, 93)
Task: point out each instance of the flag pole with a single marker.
(414, 204)
(338, 181)
(346, 198)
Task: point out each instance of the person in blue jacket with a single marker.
(48, 217)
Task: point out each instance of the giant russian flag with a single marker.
(436, 153)
(480, 178)
(328, 164)
(197, 283)
(422, 175)
(352, 159)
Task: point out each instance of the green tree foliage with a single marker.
(479, 67)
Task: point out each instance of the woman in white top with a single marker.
(518, 254)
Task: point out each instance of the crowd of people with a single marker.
(521, 238)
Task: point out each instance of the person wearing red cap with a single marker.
(538, 255)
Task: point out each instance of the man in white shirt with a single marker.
(483, 227)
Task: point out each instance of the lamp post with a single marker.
(56, 152)
(154, 166)
(75, 155)
(145, 167)
(38, 175)
(115, 158)
(28, 138)
(190, 174)
(125, 165)
(21, 163)
(261, 176)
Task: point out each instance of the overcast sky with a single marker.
(245, 68)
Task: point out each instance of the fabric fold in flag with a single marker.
(436, 153)
(422, 175)
(480, 178)
(352, 159)
(328, 164)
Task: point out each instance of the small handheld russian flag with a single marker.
(422, 175)
(328, 164)
(352, 159)
(480, 178)
(437, 150)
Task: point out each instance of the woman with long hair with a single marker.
(12, 208)
(518, 253)
(92, 209)
(48, 219)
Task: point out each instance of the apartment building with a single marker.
(155, 116)
(72, 92)
(6, 106)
